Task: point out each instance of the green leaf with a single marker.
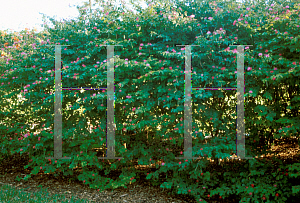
(167, 185)
(207, 175)
(268, 96)
(261, 110)
(149, 176)
(283, 120)
(295, 189)
(270, 116)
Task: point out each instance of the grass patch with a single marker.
(10, 194)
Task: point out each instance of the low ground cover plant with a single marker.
(149, 83)
(10, 194)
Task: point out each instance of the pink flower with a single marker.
(249, 68)
(274, 78)
(223, 68)
(259, 54)
(107, 13)
(162, 163)
(210, 18)
(250, 91)
(248, 9)
(46, 78)
(67, 40)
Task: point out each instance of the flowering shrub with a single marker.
(149, 80)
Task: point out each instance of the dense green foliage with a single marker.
(149, 88)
